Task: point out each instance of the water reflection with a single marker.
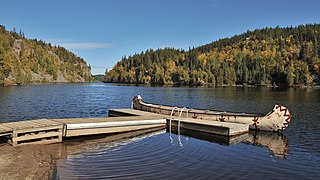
(77, 146)
(155, 157)
(276, 143)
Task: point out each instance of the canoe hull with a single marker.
(276, 120)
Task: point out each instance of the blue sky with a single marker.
(102, 31)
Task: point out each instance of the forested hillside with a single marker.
(24, 60)
(270, 56)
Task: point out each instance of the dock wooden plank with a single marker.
(79, 120)
(36, 123)
(28, 124)
(22, 125)
(215, 127)
(107, 119)
(37, 129)
(115, 124)
(83, 132)
(46, 122)
(5, 134)
(50, 141)
(38, 136)
(43, 122)
(12, 125)
(4, 128)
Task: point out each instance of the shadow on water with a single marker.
(276, 143)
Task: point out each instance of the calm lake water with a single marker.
(294, 154)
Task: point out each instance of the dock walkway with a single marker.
(46, 131)
(41, 131)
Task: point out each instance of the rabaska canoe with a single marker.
(276, 120)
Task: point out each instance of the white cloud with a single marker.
(85, 45)
(79, 45)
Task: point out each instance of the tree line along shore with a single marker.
(263, 57)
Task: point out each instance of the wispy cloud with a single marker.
(213, 3)
(85, 45)
(79, 45)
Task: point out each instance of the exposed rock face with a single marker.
(33, 61)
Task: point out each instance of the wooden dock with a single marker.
(213, 127)
(92, 126)
(40, 131)
(46, 131)
(210, 137)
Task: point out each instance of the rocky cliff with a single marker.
(25, 60)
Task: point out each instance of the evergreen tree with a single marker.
(281, 56)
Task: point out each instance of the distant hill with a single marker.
(269, 56)
(99, 77)
(25, 60)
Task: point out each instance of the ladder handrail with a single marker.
(184, 108)
(171, 114)
(179, 122)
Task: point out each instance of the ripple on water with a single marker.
(153, 156)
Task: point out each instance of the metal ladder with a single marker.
(179, 123)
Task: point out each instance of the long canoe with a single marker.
(276, 120)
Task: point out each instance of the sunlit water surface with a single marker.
(295, 154)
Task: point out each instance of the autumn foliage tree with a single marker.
(25, 60)
(269, 56)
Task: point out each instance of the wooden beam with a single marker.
(37, 136)
(214, 127)
(109, 130)
(115, 124)
(39, 129)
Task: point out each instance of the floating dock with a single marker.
(210, 137)
(47, 131)
(40, 131)
(92, 126)
(213, 127)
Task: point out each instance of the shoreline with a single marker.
(317, 86)
(27, 162)
(37, 83)
(212, 86)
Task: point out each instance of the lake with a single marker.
(293, 154)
